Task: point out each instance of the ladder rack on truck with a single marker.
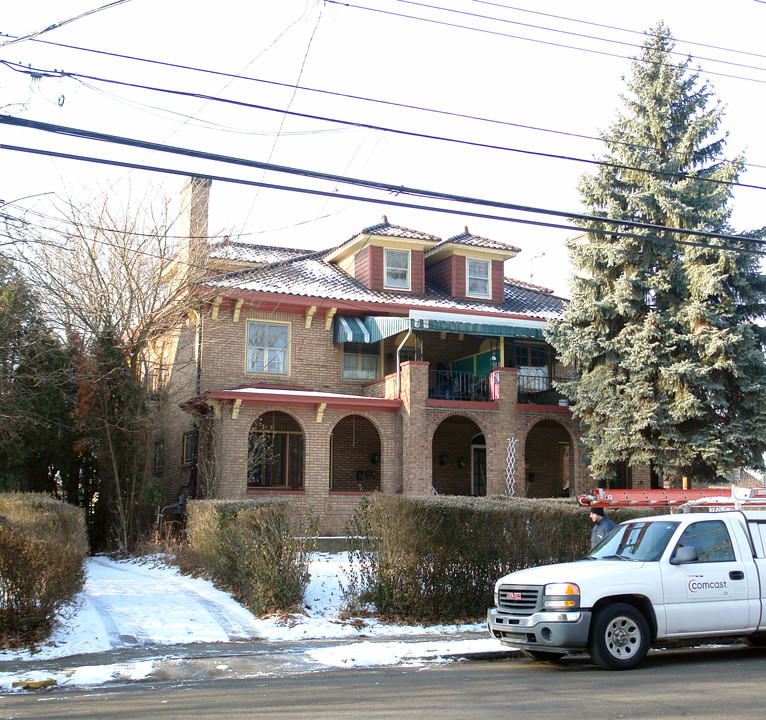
(734, 497)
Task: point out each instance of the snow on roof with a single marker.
(466, 238)
(303, 273)
(310, 277)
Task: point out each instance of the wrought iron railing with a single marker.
(537, 387)
(448, 385)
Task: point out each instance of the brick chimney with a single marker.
(193, 244)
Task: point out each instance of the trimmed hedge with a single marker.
(258, 549)
(43, 547)
(437, 558)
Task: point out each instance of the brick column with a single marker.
(416, 441)
(506, 426)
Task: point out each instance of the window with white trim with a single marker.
(397, 269)
(477, 278)
(267, 347)
(361, 361)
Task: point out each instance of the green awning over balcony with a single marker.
(469, 328)
(350, 328)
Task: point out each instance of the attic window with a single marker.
(477, 278)
(397, 269)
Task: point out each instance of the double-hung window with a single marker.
(361, 361)
(397, 264)
(477, 280)
(267, 347)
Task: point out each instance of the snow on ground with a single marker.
(146, 602)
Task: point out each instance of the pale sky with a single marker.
(509, 73)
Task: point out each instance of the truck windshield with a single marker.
(638, 540)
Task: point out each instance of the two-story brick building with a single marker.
(394, 362)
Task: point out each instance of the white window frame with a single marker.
(267, 359)
(469, 277)
(388, 281)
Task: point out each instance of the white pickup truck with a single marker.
(670, 577)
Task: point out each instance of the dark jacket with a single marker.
(600, 530)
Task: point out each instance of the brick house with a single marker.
(394, 362)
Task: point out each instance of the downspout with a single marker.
(398, 364)
(198, 384)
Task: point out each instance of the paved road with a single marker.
(719, 683)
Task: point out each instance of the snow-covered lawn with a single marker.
(146, 602)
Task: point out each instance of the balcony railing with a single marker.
(448, 385)
(536, 386)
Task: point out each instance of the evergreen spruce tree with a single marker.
(661, 330)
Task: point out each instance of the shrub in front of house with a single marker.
(257, 549)
(43, 547)
(437, 558)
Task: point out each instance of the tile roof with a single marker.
(260, 254)
(466, 238)
(299, 273)
(385, 229)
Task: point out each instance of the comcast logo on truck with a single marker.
(696, 585)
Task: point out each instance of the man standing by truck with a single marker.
(602, 526)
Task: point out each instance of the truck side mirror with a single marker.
(684, 554)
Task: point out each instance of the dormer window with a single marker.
(397, 269)
(477, 278)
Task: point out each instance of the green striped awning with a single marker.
(352, 328)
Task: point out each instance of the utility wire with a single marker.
(369, 126)
(497, 33)
(348, 96)
(643, 33)
(749, 241)
(563, 32)
(61, 23)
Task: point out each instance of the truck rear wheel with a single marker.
(619, 637)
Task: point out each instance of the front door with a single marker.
(479, 470)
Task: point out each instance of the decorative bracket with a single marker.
(309, 315)
(237, 308)
(235, 408)
(328, 318)
(216, 304)
(320, 411)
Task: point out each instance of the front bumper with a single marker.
(553, 631)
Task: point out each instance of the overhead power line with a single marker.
(604, 26)
(497, 33)
(346, 96)
(61, 23)
(382, 128)
(368, 184)
(544, 28)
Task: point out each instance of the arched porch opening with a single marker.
(275, 453)
(355, 460)
(459, 457)
(548, 461)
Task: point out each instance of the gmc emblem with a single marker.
(513, 596)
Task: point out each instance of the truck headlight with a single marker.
(561, 596)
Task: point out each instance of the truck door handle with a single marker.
(737, 575)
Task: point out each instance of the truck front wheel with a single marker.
(619, 637)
